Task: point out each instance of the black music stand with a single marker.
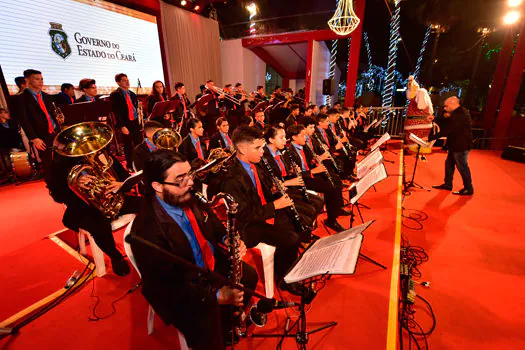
(98, 111)
(412, 183)
(164, 107)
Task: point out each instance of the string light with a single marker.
(183, 2)
(331, 74)
(252, 9)
(344, 20)
(368, 51)
(388, 91)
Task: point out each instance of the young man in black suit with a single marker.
(37, 119)
(259, 120)
(313, 175)
(260, 218)
(89, 88)
(66, 96)
(458, 131)
(182, 114)
(222, 138)
(125, 104)
(142, 151)
(292, 118)
(173, 220)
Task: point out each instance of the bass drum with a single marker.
(21, 164)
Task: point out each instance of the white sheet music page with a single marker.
(379, 142)
(336, 254)
(374, 176)
(418, 140)
(371, 161)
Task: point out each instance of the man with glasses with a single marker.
(172, 219)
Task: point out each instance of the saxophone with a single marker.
(87, 141)
(234, 253)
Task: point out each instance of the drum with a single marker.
(21, 164)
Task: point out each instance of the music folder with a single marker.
(80, 112)
(333, 255)
(418, 141)
(131, 181)
(164, 107)
(379, 143)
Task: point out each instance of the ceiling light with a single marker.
(514, 3)
(183, 2)
(511, 17)
(197, 8)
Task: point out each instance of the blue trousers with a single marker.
(458, 160)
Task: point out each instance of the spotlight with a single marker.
(197, 8)
(183, 2)
(252, 9)
(514, 3)
(511, 17)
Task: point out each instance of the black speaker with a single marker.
(328, 87)
(514, 153)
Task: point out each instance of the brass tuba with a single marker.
(88, 140)
(167, 139)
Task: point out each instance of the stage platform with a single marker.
(476, 270)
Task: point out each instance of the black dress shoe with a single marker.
(463, 192)
(442, 187)
(120, 266)
(334, 225)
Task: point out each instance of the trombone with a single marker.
(226, 95)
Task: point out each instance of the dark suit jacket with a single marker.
(140, 155)
(83, 98)
(152, 99)
(250, 210)
(172, 290)
(458, 131)
(61, 99)
(189, 151)
(180, 109)
(217, 142)
(276, 171)
(10, 137)
(120, 107)
(289, 121)
(259, 126)
(32, 119)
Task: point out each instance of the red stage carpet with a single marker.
(476, 271)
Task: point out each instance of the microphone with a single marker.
(266, 306)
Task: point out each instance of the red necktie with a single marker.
(131, 115)
(325, 138)
(311, 143)
(304, 160)
(229, 140)
(258, 186)
(50, 128)
(72, 100)
(281, 165)
(162, 98)
(183, 103)
(207, 254)
(333, 129)
(199, 149)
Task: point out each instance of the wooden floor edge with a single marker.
(392, 331)
(41, 302)
(68, 249)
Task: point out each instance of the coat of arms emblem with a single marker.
(59, 42)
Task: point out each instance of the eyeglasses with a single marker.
(183, 180)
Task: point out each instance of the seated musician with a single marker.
(81, 215)
(193, 146)
(9, 138)
(246, 121)
(316, 175)
(66, 96)
(260, 218)
(173, 220)
(308, 205)
(323, 109)
(309, 111)
(259, 120)
(157, 94)
(222, 138)
(142, 151)
(89, 88)
(183, 113)
(346, 154)
(261, 94)
(292, 118)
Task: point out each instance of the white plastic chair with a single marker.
(98, 255)
(151, 313)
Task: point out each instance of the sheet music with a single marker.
(335, 254)
(372, 160)
(370, 125)
(376, 175)
(131, 181)
(418, 140)
(380, 142)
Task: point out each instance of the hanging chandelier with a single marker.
(344, 20)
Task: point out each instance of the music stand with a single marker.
(98, 111)
(344, 247)
(412, 183)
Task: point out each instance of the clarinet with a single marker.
(318, 161)
(301, 228)
(295, 167)
(325, 148)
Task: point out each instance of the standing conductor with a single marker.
(458, 131)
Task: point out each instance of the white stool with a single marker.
(267, 255)
(151, 314)
(98, 254)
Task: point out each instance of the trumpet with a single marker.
(226, 95)
(59, 115)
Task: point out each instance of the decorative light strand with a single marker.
(368, 51)
(388, 91)
(331, 73)
(422, 52)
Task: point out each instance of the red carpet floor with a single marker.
(476, 268)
